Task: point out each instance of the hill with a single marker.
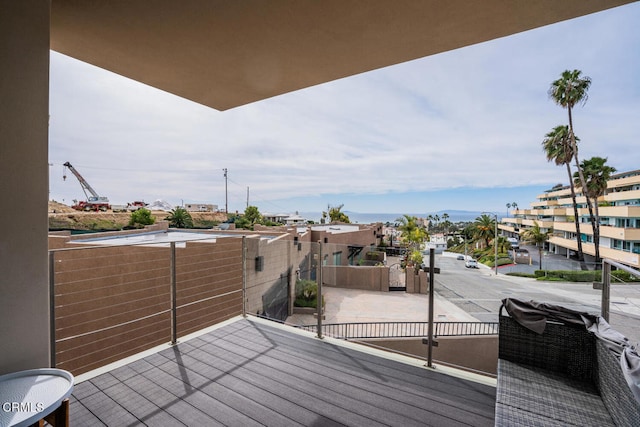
(63, 217)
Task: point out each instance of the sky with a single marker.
(461, 130)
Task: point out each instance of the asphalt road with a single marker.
(479, 292)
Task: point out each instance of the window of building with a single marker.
(337, 258)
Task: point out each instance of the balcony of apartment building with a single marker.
(507, 227)
(620, 233)
(626, 179)
(543, 204)
(160, 329)
(628, 211)
(617, 195)
(566, 240)
(568, 201)
(542, 223)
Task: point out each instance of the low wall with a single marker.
(478, 353)
(416, 283)
(357, 277)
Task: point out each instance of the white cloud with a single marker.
(474, 117)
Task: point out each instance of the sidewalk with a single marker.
(355, 305)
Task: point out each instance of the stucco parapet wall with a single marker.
(59, 239)
(374, 278)
(266, 232)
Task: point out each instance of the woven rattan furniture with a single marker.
(562, 377)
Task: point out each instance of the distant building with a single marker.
(200, 207)
(286, 219)
(619, 211)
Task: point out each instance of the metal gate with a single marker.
(397, 278)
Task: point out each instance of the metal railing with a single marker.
(362, 330)
(606, 283)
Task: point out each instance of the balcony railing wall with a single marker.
(110, 302)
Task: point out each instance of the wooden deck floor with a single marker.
(250, 373)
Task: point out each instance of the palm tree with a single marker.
(514, 205)
(484, 228)
(335, 214)
(180, 218)
(537, 236)
(596, 174)
(567, 91)
(445, 224)
(413, 235)
(508, 207)
(411, 231)
(558, 148)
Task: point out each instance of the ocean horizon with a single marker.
(369, 218)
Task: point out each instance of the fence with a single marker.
(363, 330)
(110, 298)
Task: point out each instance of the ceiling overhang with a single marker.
(227, 53)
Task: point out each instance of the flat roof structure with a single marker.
(224, 54)
(163, 238)
(254, 372)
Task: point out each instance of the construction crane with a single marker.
(93, 202)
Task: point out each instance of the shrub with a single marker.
(141, 217)
(306, 293)
(621, 276)
(519, 274)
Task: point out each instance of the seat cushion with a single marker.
(531, 396)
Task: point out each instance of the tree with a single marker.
(503, 245)
(253, 215)
(558, 148)
(484, 228)
(180, 218)
(567, 91)
(411, 232)
(596, 174)
(445, 224)
(335, 214)
(537, 236)
(141, 217)
(508, 207)
(514, 205)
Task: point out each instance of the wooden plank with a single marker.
(248, 373)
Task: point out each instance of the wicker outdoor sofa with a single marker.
(561, 377)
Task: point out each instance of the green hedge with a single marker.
(618, 276)
(569, 275)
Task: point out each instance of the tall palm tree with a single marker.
(558, 148)
(596, 174)
(567, 91)
(514, 205)
(508, 207)
(445, 224)
(537, 236)
(484, 228)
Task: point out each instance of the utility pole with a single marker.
(247, 196)
(226, 199)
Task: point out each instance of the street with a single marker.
(479, 292)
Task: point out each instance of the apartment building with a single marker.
(619, 212)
